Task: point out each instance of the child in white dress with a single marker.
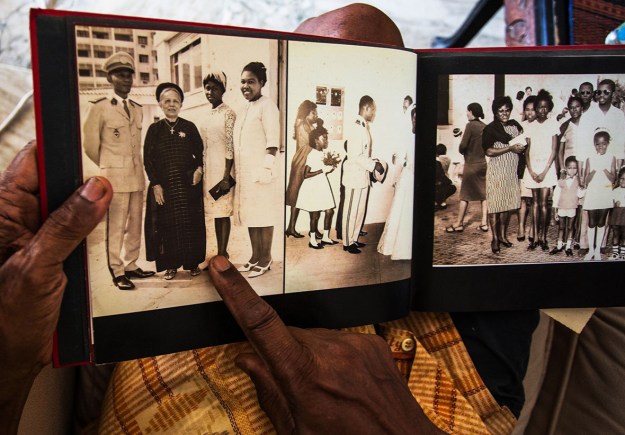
(599, 175)
(316, 195)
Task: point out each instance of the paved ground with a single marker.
(472, 246)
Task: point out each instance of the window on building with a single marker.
(143, 58)
(102, 52)
(186, 66)
(123, 37)
(145, 78)
(155, 74)
(85, 71)
(97, 34)
(143, 40)
(82, 33)
(130, 51)
(83, 51)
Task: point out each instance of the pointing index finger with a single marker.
(258, 320)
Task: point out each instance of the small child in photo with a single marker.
(565, 200)
(316, 195)
(617, 218)
(599, 176)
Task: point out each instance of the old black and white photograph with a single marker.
(529, 169)
(188, 128)
(349, 165)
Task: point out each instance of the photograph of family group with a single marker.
(271, 153)
(529, 169)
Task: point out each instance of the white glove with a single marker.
(266, 173)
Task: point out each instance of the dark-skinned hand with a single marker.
(31, 273)
(318, 381)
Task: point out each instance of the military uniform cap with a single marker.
(119, 60)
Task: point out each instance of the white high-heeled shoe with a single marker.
(258, 270)
(246, 267)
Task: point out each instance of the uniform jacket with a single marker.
(358, 164)
(113, 141)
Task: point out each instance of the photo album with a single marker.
(348, 182)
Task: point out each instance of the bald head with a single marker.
(358, 22)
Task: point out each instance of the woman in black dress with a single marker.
(174, 219)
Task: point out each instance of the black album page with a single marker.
(519, 179)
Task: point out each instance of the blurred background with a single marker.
(443, 17)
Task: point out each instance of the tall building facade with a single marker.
(95, 44)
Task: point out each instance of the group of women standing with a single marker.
(496, 185)
(191, 177)
(533, 162)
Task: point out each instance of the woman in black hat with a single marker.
(174, 219)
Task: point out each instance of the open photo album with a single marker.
(348, 182)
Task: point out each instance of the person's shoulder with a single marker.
(265, 101)
(185, 121)
(227, 109)
(98, 100)
(134, 103)
(477, 124)
(489, 128)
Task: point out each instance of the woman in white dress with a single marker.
(540, 175)
(217, 134)
(258, 202)
(396, 239)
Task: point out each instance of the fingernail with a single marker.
(220, 263)
(92, 190)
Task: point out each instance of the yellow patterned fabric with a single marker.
(203, 392)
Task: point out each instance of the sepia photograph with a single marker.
(349, 166)
(189, 130)
(529, 169)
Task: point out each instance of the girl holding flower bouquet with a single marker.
(316, 195)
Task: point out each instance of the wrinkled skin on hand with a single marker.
(318, 381)
(31, 272)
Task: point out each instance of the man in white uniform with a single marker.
(602, 115)
(112, 139)
(357, 170)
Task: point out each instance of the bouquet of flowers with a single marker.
(331, 158)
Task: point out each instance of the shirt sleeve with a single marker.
(230, 118)
(91, 134)
(271, 124)
(556, 195)
(149, 159)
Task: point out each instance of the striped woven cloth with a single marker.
(201, 391)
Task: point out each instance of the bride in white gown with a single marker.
(396, 239)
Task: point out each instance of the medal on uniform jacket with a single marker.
(116, 133)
